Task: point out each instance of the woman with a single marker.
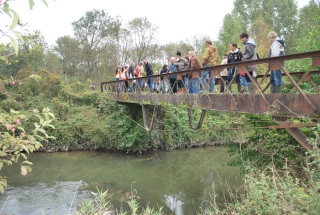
(164, 70)
(141, 74)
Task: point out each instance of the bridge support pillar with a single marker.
(200, 121)
(148, 127)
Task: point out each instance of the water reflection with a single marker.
(175, 204)
(181, 180)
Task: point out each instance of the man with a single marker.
(149, 71)
(172, 78)
(181, 64)
(210, 58)
(194, 63)
(131, 75)
(249, 54)
(235, 55)
(276, 49)
(223, 73)
(131, 70)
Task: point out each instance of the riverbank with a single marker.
(90, 120)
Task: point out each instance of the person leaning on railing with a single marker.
(172, 78)
(223, 73)
(149, 71)
(142, 73)
(234, 56)
(194, 63)
(276, 49)
(249, 53)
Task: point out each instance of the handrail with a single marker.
(244, 63)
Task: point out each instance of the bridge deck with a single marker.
(287, 105)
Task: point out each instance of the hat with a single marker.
(178, 53)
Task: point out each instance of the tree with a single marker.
(229, 32)
(93, 32)
(197, 41)
(281, 16)
(31, 53)
(69, 51)
(170, 50)
(308, 17)
(142, 38)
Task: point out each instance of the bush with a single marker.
(10, 104)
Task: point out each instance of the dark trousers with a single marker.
(126, 83)
(247, 77)
(223, 79)
(173, 85)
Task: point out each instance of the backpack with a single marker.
(136, 72)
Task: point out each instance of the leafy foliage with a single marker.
(16, 142)
(275, 190)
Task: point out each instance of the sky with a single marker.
(177, 20)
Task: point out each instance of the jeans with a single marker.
(194, 86)
(141, 83)
(155, 86)
(164, 87)
(119, 86)
(186, 82)
(150, 83)
(275, 78)
(204, 79)
(231, 72)
(244, 81)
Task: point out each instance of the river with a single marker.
(181, 180)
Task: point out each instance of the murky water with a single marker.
(180, 180)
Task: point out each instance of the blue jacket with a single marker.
(172, 68)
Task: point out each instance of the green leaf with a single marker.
(29, 168)
(3, 154)
(4, 182)
(24, 156)
(14, 45)
(1, 164)
(31, 4)
(1, 188)
(27, 162)
(45, 2)
(25, 148)
(15, 19)
(6, 9)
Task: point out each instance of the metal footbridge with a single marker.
(294, 104)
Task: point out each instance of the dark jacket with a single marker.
(148, 69)
(131, 72)
(164, 70)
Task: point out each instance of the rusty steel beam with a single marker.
(286, 105)
(300, 137)
(298, 125)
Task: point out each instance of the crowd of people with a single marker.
(190, 82)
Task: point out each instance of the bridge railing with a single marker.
(161, 83)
